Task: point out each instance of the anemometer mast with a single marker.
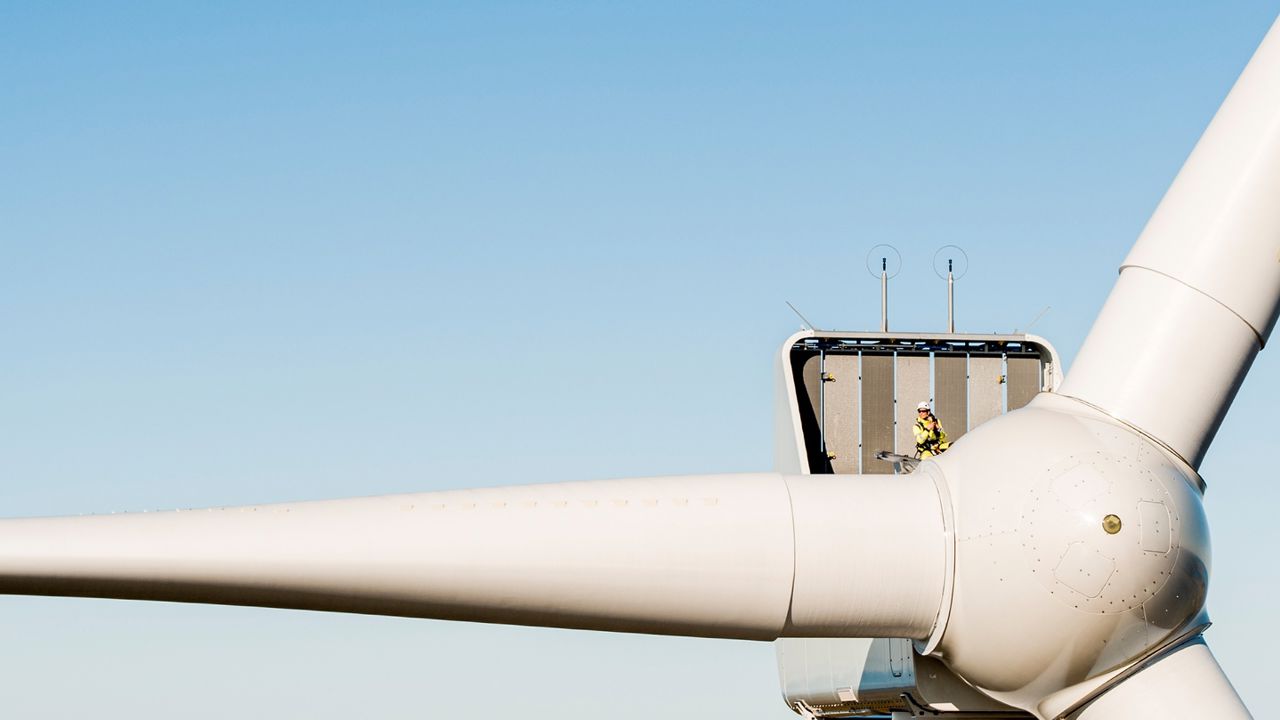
(883, 253)
(951, 298)
(953, 273)
(884, 294)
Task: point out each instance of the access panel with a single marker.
(951, 394)
(841, 411)
(1024, 379)
(912, 389)
(986, 391)
(877, 411)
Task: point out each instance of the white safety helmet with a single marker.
(923, 406)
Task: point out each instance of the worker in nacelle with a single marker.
(931, 439)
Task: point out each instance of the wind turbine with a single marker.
(746, 556)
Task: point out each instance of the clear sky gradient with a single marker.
(255, 253)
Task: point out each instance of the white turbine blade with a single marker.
(1199, 293)
(735, 556)
(1187, 683)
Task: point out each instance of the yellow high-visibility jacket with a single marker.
(930, 441)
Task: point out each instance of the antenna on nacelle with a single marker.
(1034, 320)
(882, 253)
(951, 277)
(803, 319)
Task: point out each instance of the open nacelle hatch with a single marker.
(854, 394)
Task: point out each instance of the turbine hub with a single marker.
(1080, 550)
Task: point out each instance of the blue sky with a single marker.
(255, 253)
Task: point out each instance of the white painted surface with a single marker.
(1044, 598)
(1165, 359)
(705, 556)
(1199, 292)
(1218, 227)
(710, 556)
(870, 556)
(1187, 683)
(788, 436)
